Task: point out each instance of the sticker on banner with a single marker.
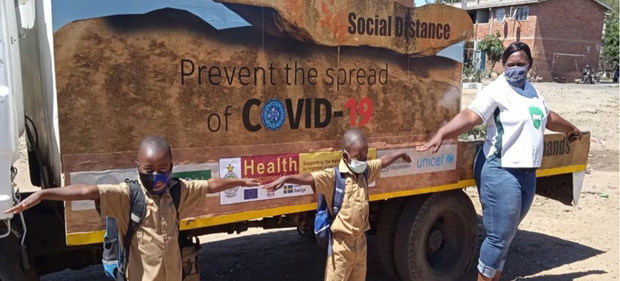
(421, 161)
(188, 172)
(266, 168)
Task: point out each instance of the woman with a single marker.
(505, 168)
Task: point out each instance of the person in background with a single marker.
(505, 167)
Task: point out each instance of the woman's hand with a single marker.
(573, 134)
(462, 122)
(434, 143)
(556, 123)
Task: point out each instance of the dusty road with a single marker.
(555, 242)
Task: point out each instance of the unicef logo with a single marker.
(273, 114)
(449, 158)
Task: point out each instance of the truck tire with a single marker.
(437, 240)
(386, 231)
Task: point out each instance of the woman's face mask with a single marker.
(516, 75)
(355, 165)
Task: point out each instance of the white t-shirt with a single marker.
(516, 122)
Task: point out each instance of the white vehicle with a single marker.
(242, 88)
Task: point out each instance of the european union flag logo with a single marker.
(250, 194)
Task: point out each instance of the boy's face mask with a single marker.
(155, 183)
(355, 165)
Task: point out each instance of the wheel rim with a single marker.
(444, 243)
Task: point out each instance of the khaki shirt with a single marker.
(352, 219)
(154, 253)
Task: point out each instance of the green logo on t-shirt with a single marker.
(537, 116)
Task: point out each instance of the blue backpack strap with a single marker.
(339, 187)
(137, 211)
(111, 248)
(366, 175)
(175, 192)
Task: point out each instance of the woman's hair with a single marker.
(516, 47)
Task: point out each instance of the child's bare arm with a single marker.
(387, 160)
(67, 193)
(302, 179)
(220, 184)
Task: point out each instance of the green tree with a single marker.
(493, 47)
(613, 4)
(611, 40)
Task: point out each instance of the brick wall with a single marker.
(569, 36)
(564, 36)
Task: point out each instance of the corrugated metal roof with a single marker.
(482, 4)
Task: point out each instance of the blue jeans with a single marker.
(506, 195)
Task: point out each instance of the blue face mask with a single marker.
(152, 182)
(516, 75)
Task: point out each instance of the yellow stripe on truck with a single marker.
(402, 193)
(560, 170)
(244, 216)
(84, 238)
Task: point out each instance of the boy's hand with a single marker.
(406, 157)
(25, 204)
(275, 185)
(250, 182)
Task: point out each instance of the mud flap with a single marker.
(564, 188)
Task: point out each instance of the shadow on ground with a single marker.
(533, 252)
(284, 255)
(563, 277)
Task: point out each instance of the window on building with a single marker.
(500, 14)
(520, 13)
(482, 16)
(472, 15)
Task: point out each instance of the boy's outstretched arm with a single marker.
(301, 179)
(387, 160)
(67, 193)
(220, 184)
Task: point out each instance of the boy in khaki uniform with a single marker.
(154, 252)
(348, 261)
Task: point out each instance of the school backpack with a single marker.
(323, 218)
(114, 257)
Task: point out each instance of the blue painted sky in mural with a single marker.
(215, 14)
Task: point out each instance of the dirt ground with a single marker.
(555, 242)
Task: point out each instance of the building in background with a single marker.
(564, 35)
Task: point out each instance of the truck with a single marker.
(244, 88)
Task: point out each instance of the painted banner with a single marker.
(421, 162)
(186, 172)
(315, 161)
(266, 168)
(255, 86)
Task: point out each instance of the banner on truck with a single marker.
(187, 172)
(421, 161)
(266, 168)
